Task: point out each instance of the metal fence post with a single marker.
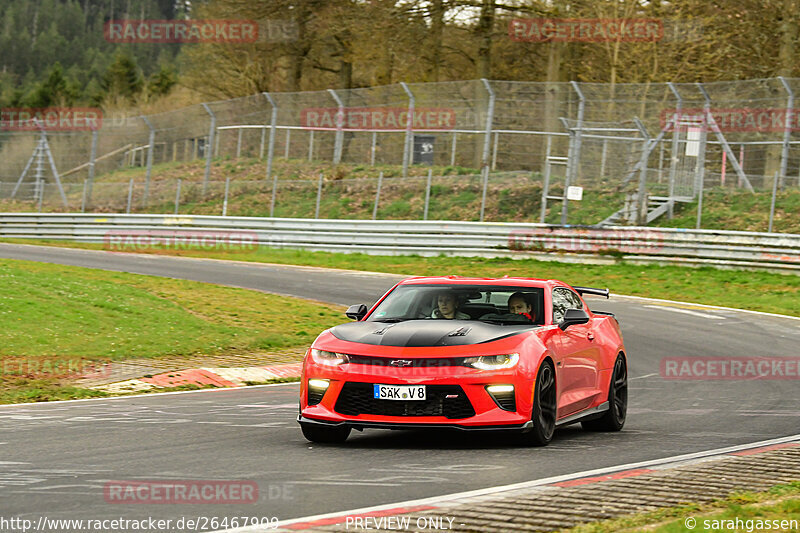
(641, 200)
(271, 150)
(130, 196)
(377, 196)
(339, 142)
(407, 146)
(287, 144)
(575, 155)
(238, 144)
(427, 195)
(673, 160)
(319, 195)
(177, 196)
(373, 147)
(83, 197)
(453, 150)
(211, 131)
(772, 203)
(494, 150)
(311, 145)
(787, 131)
(486, 144)
(92, 159)
(699, 176)
(151, 141)
(225, 201)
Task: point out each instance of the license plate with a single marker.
(399, 392)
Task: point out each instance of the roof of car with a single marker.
(461, 280)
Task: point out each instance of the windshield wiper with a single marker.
(389, 320)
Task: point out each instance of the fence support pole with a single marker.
(212, 129)
(772, 203)
(83, 197)
(151, 141)
(288, 142)
(177, 196)
(271, 150)
(339, 142)
(310, 145)
(486, 144)
(427, 195)
(239, 144)
(225, 201)
(130, 196)
(92, 159)
(641, 195)
(709, 121)
(575, 155)
(453, 150)
(319, 195)
(373, 147)
(673, 159)
(787, 130)
(494, 151)
(377, 196)
(407, 146)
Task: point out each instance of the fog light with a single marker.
(503, 396)
(494, 389)
(319, 384)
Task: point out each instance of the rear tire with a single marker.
(614, 418)
(544, 407)
(325, 434)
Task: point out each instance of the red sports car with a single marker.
(468, 353)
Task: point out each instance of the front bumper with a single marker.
(361, 425)
(487, 414)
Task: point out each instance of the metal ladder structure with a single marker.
(40, 152)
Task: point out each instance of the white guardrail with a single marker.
(121, 232)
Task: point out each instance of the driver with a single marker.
(447, 307)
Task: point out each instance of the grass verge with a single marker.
(61, 321)
(757, 291)
(781, 502)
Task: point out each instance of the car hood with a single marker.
(418, 333)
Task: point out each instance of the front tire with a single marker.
(614, 418)
(325, 434)
(544, 407)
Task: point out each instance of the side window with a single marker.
(564, 299)
(561, 302)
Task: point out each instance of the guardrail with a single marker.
(120, 232)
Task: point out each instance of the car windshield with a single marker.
(487, 303)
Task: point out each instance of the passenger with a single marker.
(518, 304)
(447, 307)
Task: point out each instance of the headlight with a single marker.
(493, 362)
(329, 358)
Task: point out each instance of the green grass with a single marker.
(60, 319)
(781, 502)
(758, 291)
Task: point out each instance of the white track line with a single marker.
(684, 311)
(146, 395)
(524, 485)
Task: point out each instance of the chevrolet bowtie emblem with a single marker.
(401, 362)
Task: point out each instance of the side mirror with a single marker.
(356, 312)
(572, 317)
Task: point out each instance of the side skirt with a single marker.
(588, 414)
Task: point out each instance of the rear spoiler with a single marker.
(589, 290)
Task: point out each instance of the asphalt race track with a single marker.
(56, 458)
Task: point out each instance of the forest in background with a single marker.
(53, 52)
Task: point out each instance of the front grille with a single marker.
(427, 362)
(357, 399)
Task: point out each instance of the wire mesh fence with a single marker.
(643, 151)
